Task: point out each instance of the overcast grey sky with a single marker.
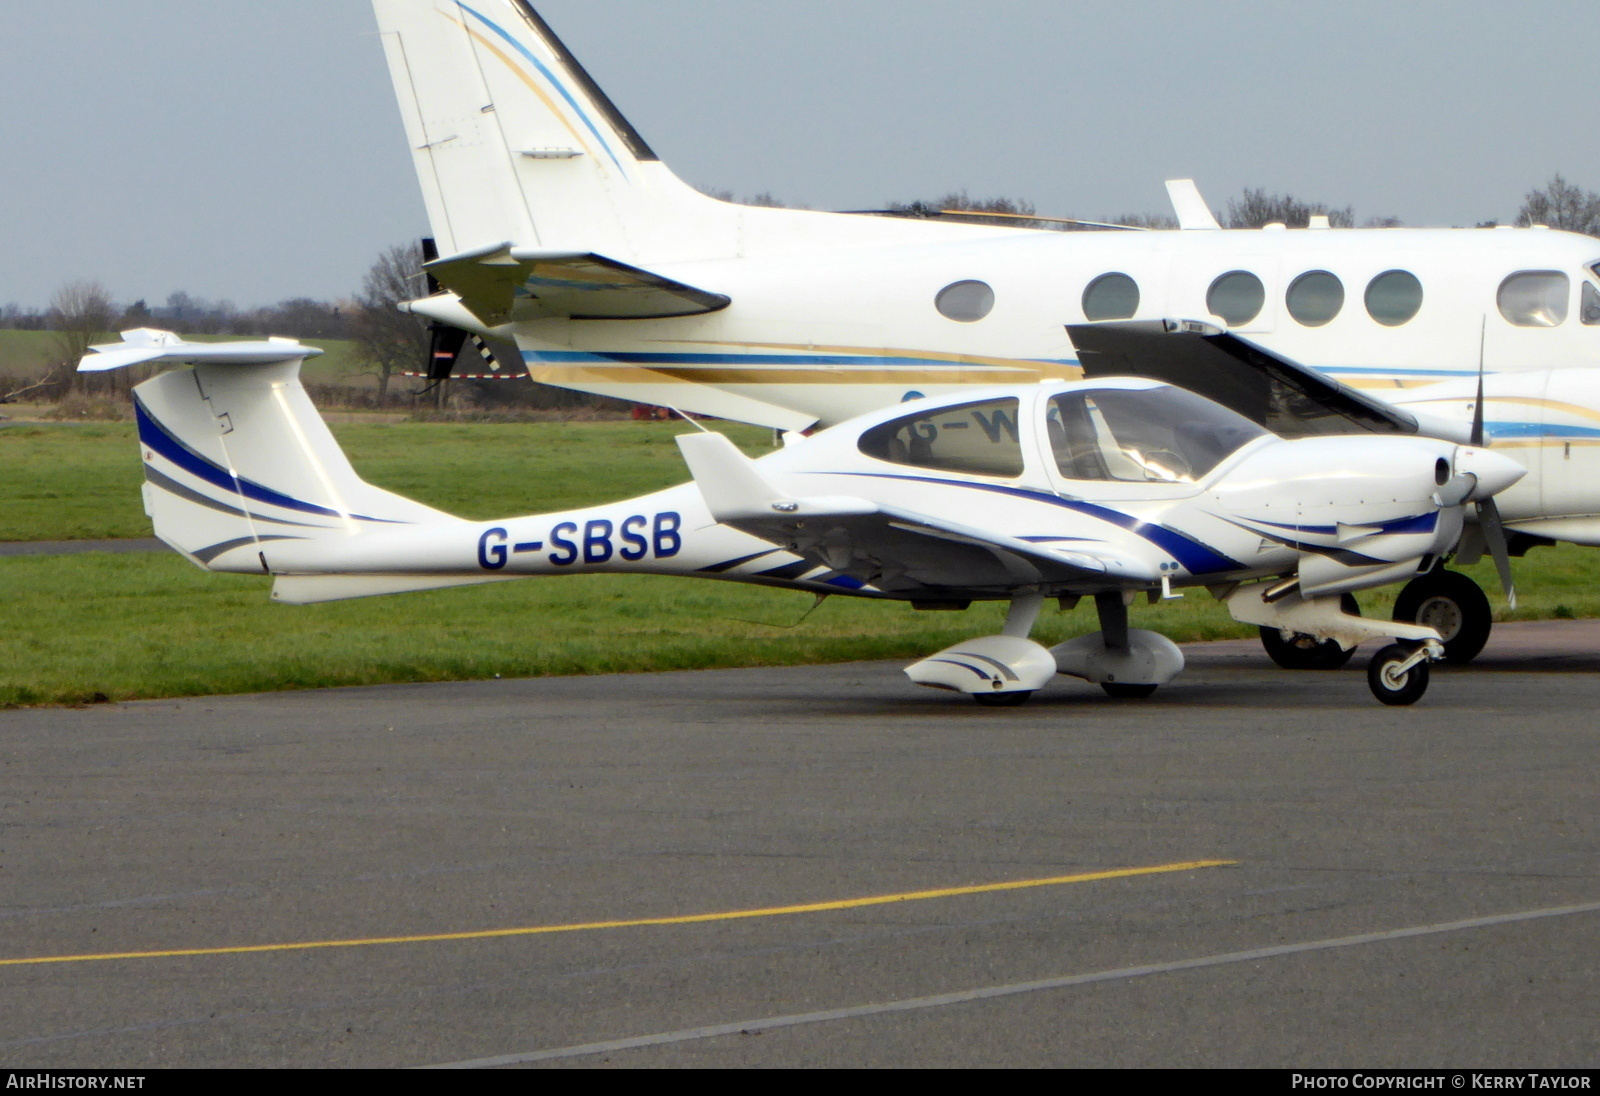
(252, 151)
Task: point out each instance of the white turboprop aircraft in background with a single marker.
(1105, 488)
(561, 232)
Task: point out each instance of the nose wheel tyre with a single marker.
(1397, 675)
(1303, 652)
(1003, 700)
(1452, 604)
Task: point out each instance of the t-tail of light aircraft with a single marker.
(1110, 488)
(560, 230)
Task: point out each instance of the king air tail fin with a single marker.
(513, 141)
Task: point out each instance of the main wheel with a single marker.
(1124, 691)
(1454, 605)
(1302, 652)
(1391, 685)
(1003, 700)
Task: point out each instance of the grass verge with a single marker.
(80, 629)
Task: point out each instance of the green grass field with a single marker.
(79, 628)
(81, 482)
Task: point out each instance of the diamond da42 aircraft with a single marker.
(561, 233)
(1105, 488)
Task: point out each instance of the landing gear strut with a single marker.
(1454, 605)
(1302, 652)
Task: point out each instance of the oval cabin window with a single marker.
(1315, 298)
(1534, 298)
(965, 302)
(1111, 297)
(1394, 297)
(1237, 297)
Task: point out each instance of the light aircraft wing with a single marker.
(870, 541)
(501, 283)
(1289, 399)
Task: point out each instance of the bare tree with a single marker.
(1256, 208)
(81, 313)
(1012, 212)
(389, 340)
(1559, 204)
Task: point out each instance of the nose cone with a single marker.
(1493, 471)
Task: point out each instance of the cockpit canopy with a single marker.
(1144, 434)
(1150, 435)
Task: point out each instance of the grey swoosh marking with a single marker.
(206, 555)
(167, 483)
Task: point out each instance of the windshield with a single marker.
(1151, 435)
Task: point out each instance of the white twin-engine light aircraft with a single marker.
(1106, 488)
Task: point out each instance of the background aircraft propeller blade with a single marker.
(1494, 532)
(1494, 536)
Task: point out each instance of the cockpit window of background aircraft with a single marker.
(1534, 298)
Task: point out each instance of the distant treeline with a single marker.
(299, 317)
(1557, 204)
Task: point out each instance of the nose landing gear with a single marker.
(1398, 674)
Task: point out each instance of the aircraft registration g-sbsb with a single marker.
(562, 232)
(1107, 488)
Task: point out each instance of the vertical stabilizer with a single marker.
(236, 458)
(512, 140)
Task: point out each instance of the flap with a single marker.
(1286, 398)
(502, 284)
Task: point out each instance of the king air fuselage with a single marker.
(793, 318)
(560, 230)
(819, 335)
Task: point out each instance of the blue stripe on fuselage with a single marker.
(629, 357)
(1197, 558)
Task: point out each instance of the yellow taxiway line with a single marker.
(588, 926)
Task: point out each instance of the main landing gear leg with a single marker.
(1452, 604)
(1113, 612)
